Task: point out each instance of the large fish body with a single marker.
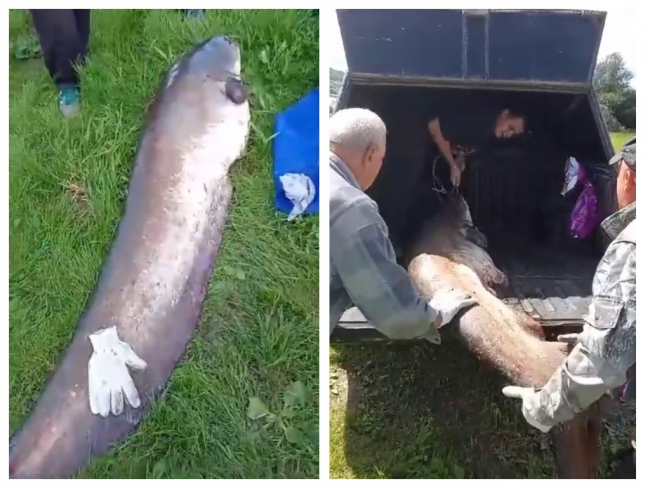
(449, 252)
(154, 279)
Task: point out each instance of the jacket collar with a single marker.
(617, 222)
(342, 170)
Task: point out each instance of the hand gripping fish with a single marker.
(147, 302)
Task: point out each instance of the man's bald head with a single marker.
(357, 128)
(358, 138)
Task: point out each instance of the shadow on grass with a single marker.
(420, 411)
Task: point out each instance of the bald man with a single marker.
(363, 269)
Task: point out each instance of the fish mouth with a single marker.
(226, 55)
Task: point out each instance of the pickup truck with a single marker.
(401, 60)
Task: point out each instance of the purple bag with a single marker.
(584, 217)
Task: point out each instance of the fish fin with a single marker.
(502, 279)
(476, 236)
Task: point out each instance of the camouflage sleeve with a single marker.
(606, 348)
(378, 286)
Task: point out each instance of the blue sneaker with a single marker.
(69, 101)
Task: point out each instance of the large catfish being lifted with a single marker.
(154, 280)
(449, 252)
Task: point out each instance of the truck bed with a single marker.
(552, 286)
(513, 189)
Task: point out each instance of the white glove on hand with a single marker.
(570, 339)
(449, 302)
(108, 377)
(529, 404)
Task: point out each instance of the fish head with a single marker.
(219, 58)
(455, 209)
(223, 56)
(464, 211)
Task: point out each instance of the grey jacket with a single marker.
(363, 269)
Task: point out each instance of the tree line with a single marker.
(616, 96)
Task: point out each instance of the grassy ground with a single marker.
(421, 411)
(258, 337)
(417, 411)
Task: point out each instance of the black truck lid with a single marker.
(530, 46)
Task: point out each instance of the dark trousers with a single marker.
(63, 35)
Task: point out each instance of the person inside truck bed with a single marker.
(363, 269)
(459, 130)
(604, 355)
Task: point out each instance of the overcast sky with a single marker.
(618, 36)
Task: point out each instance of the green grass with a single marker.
(420, 411)
(259, 332)
(620, 138)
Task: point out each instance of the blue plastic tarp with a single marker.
(295, 147)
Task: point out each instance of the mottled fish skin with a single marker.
(511, 342)
(154, 279)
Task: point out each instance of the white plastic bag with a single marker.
(571, 173)
(300, 191)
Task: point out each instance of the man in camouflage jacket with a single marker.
(604, 356)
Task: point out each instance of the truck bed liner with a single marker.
(551, 286)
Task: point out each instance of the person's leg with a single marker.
(82, 19)
(195, 13)
(624, 465)
(61, 49)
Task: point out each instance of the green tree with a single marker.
(625, 110)
(612, 84)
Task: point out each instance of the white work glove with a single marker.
(109, 380)
(449, 302)
(529, 404)
(570, 339)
